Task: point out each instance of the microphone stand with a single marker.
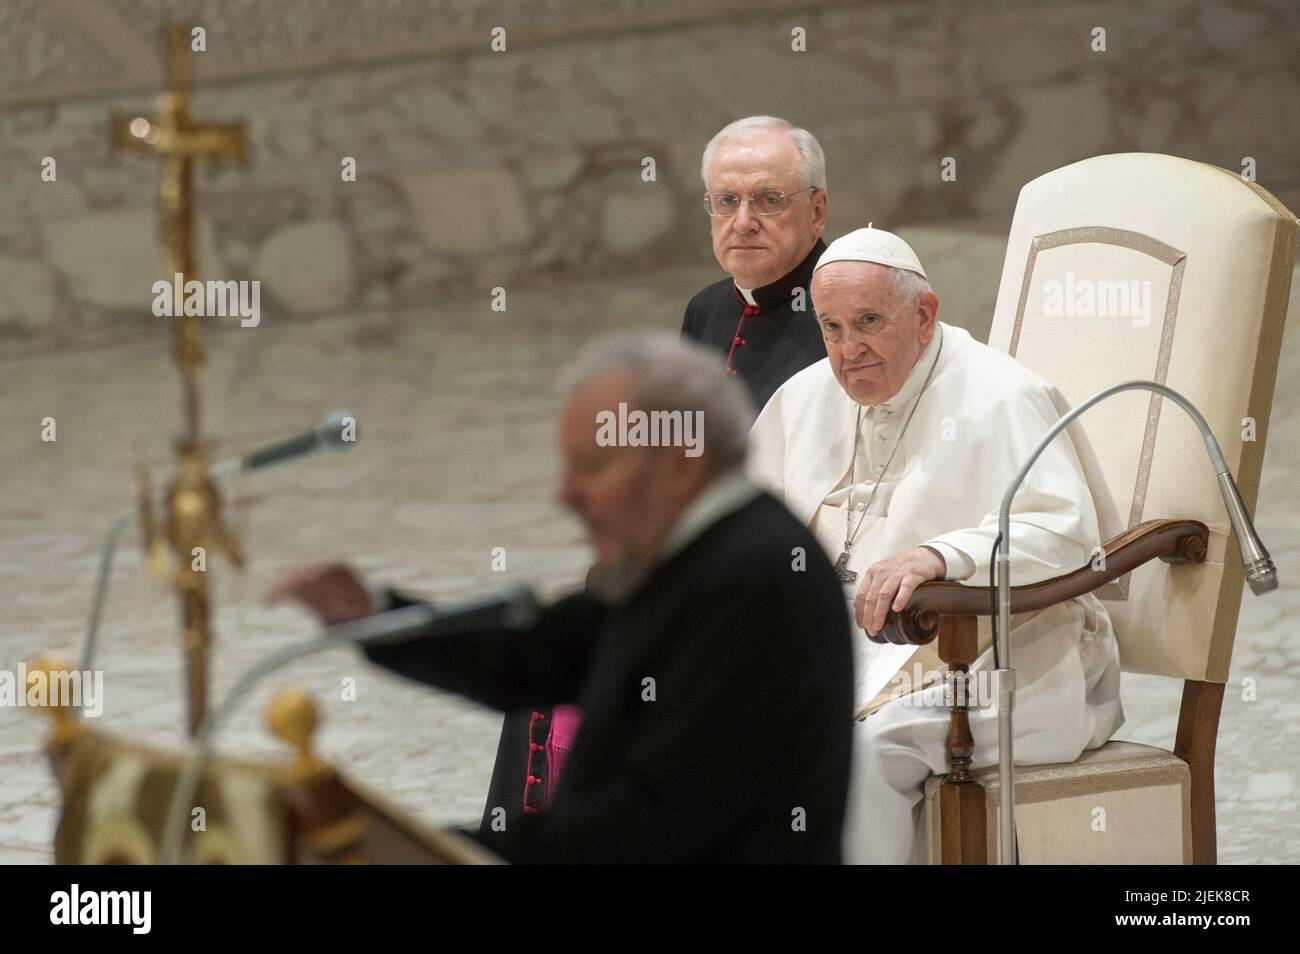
(1259, 569)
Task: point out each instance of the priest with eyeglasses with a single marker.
(766, 201)
(896, 450)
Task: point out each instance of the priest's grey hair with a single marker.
(669, 374)
(810, 150)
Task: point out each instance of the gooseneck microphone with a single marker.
(336, 431)
(514, 608)
(1261, 576)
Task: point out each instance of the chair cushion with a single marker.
(1121, 803)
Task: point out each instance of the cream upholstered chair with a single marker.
(1215, 253)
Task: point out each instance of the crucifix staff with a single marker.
(179, 142)
(192, 525)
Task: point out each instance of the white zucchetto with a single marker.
(872, 245)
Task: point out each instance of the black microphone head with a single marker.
(338, 431)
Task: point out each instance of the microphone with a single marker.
(515, 607)
(1258, 567)
(1261, 574)
(327, 435)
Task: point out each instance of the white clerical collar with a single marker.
(916, 377)
(747, 294)
(722, 496)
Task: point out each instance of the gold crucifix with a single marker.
(192, 526)
(179, 143)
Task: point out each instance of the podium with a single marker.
(116, 793)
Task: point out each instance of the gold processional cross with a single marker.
(192, 525)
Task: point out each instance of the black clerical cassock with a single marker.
(763, 344)
(717, 703)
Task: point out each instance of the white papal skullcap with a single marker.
(872, 245)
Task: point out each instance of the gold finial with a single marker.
(291, 716)
(53, 669)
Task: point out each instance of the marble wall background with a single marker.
(522, 170)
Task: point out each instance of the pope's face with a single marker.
(624, 495)
(757, 250)
(873, 334)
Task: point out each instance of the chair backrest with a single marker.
(1148, 266)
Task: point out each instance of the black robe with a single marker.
(767, 347)
(743, 753)
(778, 341)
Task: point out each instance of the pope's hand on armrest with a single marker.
(888, 584)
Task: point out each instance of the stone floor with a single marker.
(456, 406)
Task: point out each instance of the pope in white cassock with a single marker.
(896, 451)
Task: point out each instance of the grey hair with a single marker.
(670, 374)
(810, 150)
(909, 284)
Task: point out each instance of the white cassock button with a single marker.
(881, 438)
(884, 412)
(880, 470)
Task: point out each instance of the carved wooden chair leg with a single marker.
(1198, 729)
(961, 799)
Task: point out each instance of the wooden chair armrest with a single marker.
(1173, 541)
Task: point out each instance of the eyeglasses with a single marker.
(769, 202)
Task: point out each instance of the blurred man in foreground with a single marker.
(710, 651)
